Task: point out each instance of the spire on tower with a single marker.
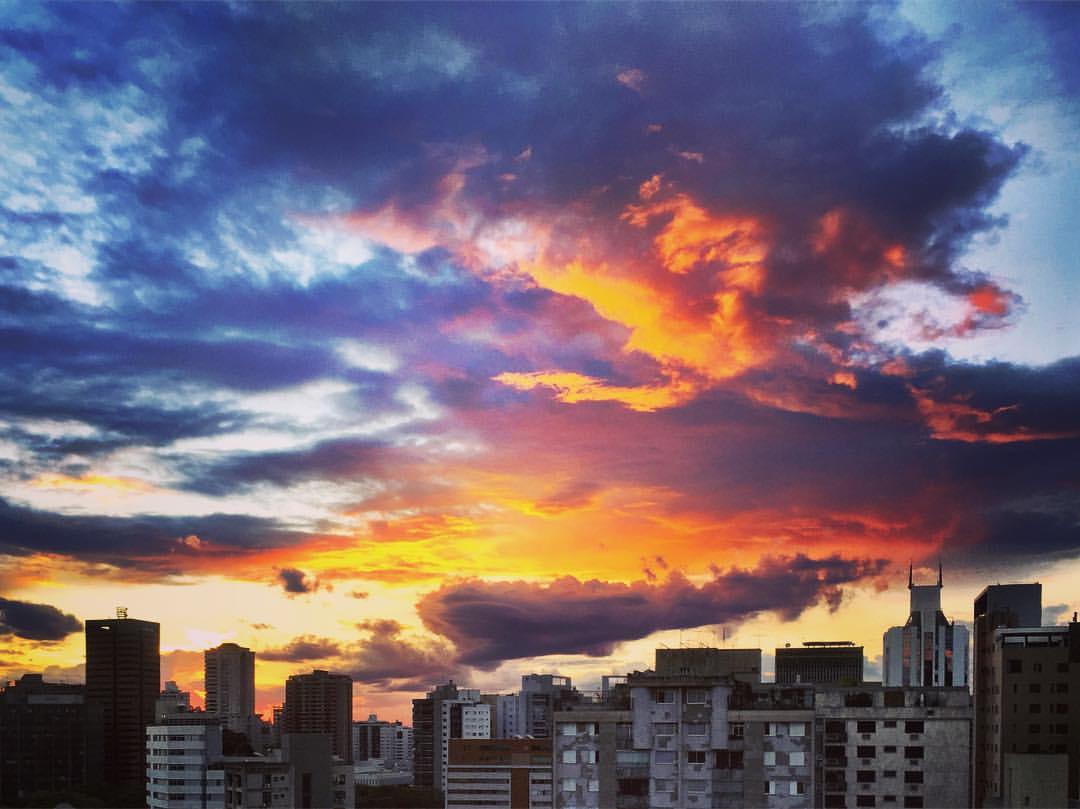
(910, 575)
(939, 572)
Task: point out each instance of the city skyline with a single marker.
(418, 342)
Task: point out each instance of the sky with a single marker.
(429, 341)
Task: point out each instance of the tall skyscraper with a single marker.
(321, 702)
(229, 676)
(999, 605)
(123, 675)
(928, 650)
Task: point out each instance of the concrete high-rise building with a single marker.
(50, 739)
(928, 650)
(499, 774)
(378, 740)
(447, 712)
(321, 702)
(1032, 713)
(123, 676)
(999, 605)
(740, 664)
(892, 747)
(229, 677)
(820, 662)
(540, 696)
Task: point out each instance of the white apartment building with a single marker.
(462, 718)
(179, 756)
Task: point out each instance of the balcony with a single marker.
(835, 738)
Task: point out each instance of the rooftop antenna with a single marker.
(121, 612)
(939, 571)
(910, 575)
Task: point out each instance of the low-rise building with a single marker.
(499, 774)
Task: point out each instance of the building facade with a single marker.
(999, 605)
(499, 774)
(229, 678)
(435, 722)
(321, 702)
(893, 747)
(50, 739)
(389, 743)
(1033, 708)
(824, 662)
(928, 650)
(184, 767)
(123, 676)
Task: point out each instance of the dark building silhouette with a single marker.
(123, 676)
(824, 662)
(321, 702)
(999, 605)
(50, 739)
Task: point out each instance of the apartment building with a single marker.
(892, 747)
(499, 774)
(183, 763)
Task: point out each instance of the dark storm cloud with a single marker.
(125, 541)
(39, 622)
(305, 647)
(490, 622)
(387, 657)
(296, 582)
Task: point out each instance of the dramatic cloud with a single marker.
(387, 657)
(39, 622)
(305, 647)
(296, 582)
(490, 622)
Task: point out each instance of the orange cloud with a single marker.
(572, 388)
(632, 78)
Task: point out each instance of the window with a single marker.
(913, 777)
(1015, 667)
(696, 696)
(889, 748)
(1034, 728)
(567, 729)
(889, 774)
(729, 759)
(771, 728)
(769, 787)
(1063, 668)
(664, 696)
(587, 756)
(663, 785)
(912, 751)
(736, 730)
(569, 785)
(866, 776)
(569, 756)
(867, 726)
(769, 758)
(866, 751)
(797, 788)
(664, 756)
(913, 726)
(797, 759)
(864, 800)
(695, 756)
(594, 785)
(696, 785)
(1034, 708)
(1037, 667)
(797, 729)
(890, 723)
(663, 728)
(696, 729)
(913, 802)
(1035, 688)
(894, 698)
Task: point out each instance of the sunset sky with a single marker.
(419, 341)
